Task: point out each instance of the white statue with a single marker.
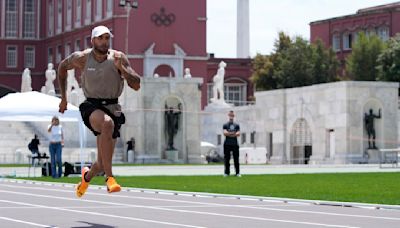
(218, 86)
(50, 77)
(72, 83)
(74, 97)
(26, 81)
(187, 73)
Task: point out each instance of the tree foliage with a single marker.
(294, 63)
(325, 64)
(389, 61)
(362, 63)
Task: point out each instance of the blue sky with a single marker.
(268, 17)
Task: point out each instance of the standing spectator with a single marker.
(231, 132)
(55, 146)
(130, 150)
(131, 145)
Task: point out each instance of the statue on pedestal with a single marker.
(369, 125)
(171, 124)
(50, 77)
(218, 86)
(26, 81)
(72, 83)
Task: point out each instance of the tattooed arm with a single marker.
(122, 64)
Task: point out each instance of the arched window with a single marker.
(164, 71)
(301, 133)
(301, 142)
(347, 41)
(336, 42)
(383, 33)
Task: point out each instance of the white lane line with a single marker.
(163, 209)
(25, 222)
(100, 214)
(261, 207)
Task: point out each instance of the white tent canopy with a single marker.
(38, 107)
(34, 106)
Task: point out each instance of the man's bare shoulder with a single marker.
(77, 59)
(81, 54)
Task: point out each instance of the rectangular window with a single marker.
(88, 15)
(336, 42)
(67, 49)
(109, 8)
(88, 42)
(209, 92)
(11, 56)
(243, 137)
(29, 19)
(235, 93)
(29, 57)
(347, 41)
(78, 9)
(252, 137)
(270, 144)
(59, 54)
(111, 40)
(383, 33)
(69, 15)
(99, 9)
(50, 29)
(355, 37)
(77, 45)
(219, 139)
(50, 55)
(59, 16)
(330, 143)
(11, 18)
(370, 32)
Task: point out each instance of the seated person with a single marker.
(33, 146)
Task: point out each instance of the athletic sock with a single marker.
(84, 177)
(108, 177)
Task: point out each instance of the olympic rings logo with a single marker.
(162, 18)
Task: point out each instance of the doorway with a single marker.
(301, 142)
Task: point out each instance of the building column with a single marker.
(242, 29)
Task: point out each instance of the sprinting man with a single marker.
(103, 71)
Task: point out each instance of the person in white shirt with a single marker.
(55, 146)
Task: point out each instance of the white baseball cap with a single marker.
(100, 30)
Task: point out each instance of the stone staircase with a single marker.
(14, 139)
(15, 136)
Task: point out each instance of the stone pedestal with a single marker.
(373, 155)
(172, 155)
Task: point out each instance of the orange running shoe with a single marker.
(83, 185)
(112, 185)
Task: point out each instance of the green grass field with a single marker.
(379, 188)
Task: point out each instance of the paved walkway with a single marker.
(150, 170)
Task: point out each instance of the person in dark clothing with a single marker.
(131, 145)
(33, 146)
(231, 132)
